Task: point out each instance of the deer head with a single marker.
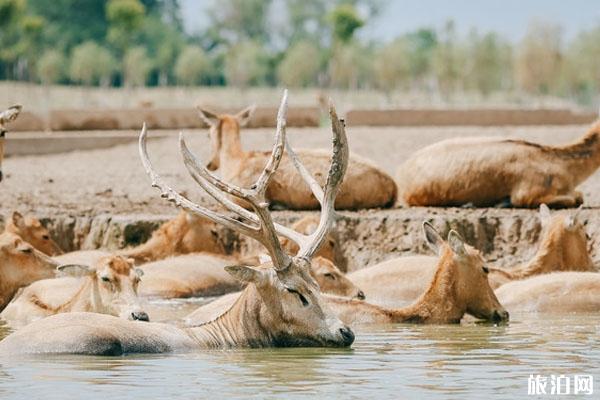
(6, 116)
(290, 306)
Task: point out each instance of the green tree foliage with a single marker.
(581, 70)
(91, 64)
(538, 58)
(191, 66)
(51, 67)
(448, 60)
(136, 66)
(490, 59)
(234, 21)
(246, 63)
(391, 65)
(300, 65)
(345, 21)
(350, 67)
(125, 18)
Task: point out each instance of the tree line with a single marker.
(296, 43)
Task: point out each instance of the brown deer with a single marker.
(109, 287)
(558, 292)
(563, 246)
(280, 306)
(459, 286)
(6, 116)
(32, 231)
(488, 171)
(20, 265)
(365, 186)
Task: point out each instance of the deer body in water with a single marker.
(563, 246)
(488, 171)
(280, 306)
(364, 186)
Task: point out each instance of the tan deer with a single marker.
(459, 286)
(20, 265)
(563, 246)
(32, 231)
(281, 305)
(558, 292)
(203, 274)
(109, 287)
(488, 171)
(6, 116)
(365, 186)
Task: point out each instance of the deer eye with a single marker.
(329, 275)
(27, 250)
(486, 270)
(300, 296)
(105, 279)
(45, 237)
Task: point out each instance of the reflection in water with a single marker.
(393, 361)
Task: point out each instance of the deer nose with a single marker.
(347, 335)
(140, 316)
(500, 316)
(360, 295)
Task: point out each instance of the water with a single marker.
(398, 361)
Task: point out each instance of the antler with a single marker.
(259, 225)
(10, 114)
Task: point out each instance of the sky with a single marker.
(506, 17)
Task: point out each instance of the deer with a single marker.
(20, 265)
(459, 286)
(365, 185)
(484, 172)
(563, 246)
(281, 305)
(109, 287)
(203, 274)
(31, 230)
(557, 292)
(6, 116)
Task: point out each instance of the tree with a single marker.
(391, 65)
(581, 70)
(420, 47)
(300, 65)
(448, 60)
(192, 64)
(126, 18)
(91, 63)
(246, 64)
(136, 66)
(490, 61)
(51, 67)
(234, 21)
(538, 60)
(349, 66)
(345, 21)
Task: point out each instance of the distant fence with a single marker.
(475, 117)
(265, 117)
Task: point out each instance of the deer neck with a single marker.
(439, 303)
(582, 158)
(238, 327)
(231, 152)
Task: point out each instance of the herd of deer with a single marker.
(91, 302)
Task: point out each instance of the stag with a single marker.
(281, 304)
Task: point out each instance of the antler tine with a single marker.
(181, 201)
(10, 114)
(337, 170)
(204, 177)
(316, 189)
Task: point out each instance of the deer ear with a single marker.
(545, 215)
(18, 220)
(247, 274)
(432, 237)
(210, 118)
(457, 244)
(75, 270)
(245, 115)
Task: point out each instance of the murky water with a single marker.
(400, 361)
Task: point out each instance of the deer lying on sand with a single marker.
(203, 274)
(488, 171)
(6, 116)
(281, 305)
(563, 246)
(365, 186)
(110, 287)
(20, 265)
(459, 286)
(33, 232)
(558, 292)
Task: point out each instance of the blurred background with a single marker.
(371, 53)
